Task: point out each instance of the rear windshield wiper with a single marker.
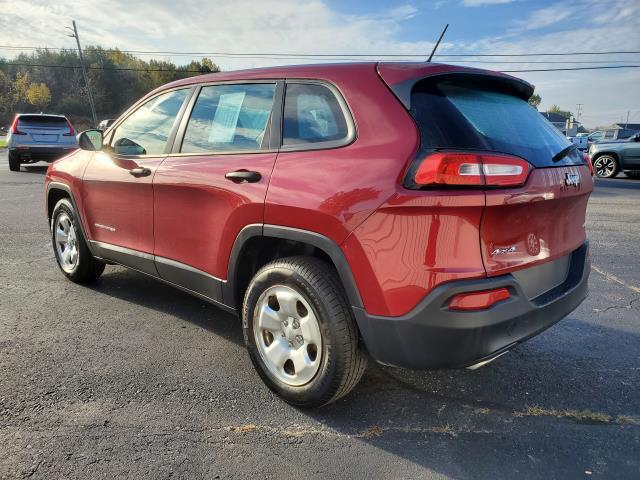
(564, 152)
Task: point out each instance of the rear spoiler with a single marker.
(402, 77)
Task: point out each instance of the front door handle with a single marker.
(140, 172)
(243, 176)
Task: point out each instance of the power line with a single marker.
(571, 68)
(133, 69)
(330, 55)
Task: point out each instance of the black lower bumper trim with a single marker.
(36, 154)
(432, 336)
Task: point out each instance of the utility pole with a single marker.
(579, 105)
(627, 122)
(84, 72)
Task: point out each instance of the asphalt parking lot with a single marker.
(133, 379)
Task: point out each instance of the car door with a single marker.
(214, 182)
(631, 153)
(117, 183)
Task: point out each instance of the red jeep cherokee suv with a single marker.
(422, 214)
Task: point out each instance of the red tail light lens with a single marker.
(14, 127)
(72, 130)
(478, 300)
(587, 160)
(471, 169)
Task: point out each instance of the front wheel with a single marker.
(69, 245)
(606, 166)
(300, 332)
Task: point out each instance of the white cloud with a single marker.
(545, 17)
(481, 3)
(314, 27)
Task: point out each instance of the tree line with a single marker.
(56, 84)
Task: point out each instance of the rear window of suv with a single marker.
(42, 121)
(462, 116)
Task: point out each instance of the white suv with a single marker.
(35, 137)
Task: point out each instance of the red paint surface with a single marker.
(399, 243)
(199, 213)
(543, 220)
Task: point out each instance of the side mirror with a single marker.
(90, 140)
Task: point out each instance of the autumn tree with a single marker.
(38, 95)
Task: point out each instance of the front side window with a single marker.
(146, 131)
(229, 118)
(312, 114)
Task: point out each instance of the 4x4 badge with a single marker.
(572, 179)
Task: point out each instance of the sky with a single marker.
(373, 27)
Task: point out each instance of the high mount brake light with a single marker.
(471, 169)
(14, 127)
(71, 132)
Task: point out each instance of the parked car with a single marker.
(610, 158)
(35, 137)
(106, 123)
(421, 214)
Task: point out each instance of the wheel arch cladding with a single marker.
(256, 245)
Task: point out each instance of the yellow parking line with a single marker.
(613, 278)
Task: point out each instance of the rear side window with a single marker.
(312, 114)
(146, 131)
(230, 118)
(462, 116)
(42, 121)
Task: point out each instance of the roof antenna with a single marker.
(435, 47)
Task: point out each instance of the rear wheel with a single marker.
(14, 162)
(606, 166)
(69, 245)
(635, 174)
(300, 332)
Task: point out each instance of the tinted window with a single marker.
(230, 118)
(453, 115)
(312, 114)
(42, 121)
(146, 131)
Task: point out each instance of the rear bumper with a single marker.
(29, 154)
(432, 336)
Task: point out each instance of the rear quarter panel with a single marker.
(332, 191)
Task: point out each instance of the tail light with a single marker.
(478, 300)
(14, 127)
(587, 160)
(72, 130)
(469, 169)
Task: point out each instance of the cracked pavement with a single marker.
(133, 379)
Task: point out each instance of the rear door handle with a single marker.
(140, 172)
(243, 176)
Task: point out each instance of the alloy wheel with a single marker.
(66, 242)
(604, 166)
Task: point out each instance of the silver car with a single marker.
(609, 158)
(35, 137)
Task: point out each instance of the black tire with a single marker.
(343, 359)
(606, 166)
(87, 269)
(14, 162)
(634, 174)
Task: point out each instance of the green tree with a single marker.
(559, 111)
(535, 100)
(117, 80)
(38, 95)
